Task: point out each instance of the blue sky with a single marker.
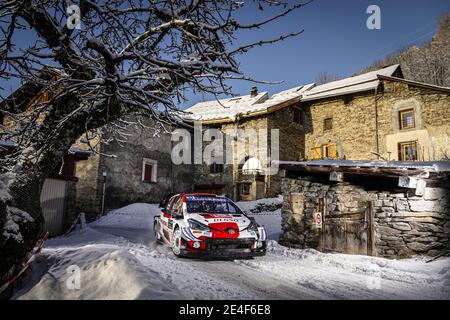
(335, 39)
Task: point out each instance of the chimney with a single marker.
(254, 92)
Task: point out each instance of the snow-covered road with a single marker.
(118, 258)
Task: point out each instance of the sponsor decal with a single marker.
(212, 220)
(193, 198)
(218, 216)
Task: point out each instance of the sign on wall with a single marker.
(318, 219)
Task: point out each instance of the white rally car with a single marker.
(207, 225)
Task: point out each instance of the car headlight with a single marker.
(194, 224)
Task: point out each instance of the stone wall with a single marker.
(88, 193)
(123, 164)
(408, 225)
(404, 224)
(124, 183)
(292, 141)
(432, 112)
(354, 122)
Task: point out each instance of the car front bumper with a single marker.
(226, 248)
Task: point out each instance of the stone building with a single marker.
(377, 115)
(58, 194)
(248, 175)
(381, 208)
(139, 169)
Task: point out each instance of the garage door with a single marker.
(52, 203)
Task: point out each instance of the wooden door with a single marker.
(348, 232)
(53, 196)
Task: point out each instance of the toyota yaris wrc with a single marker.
(206, 225)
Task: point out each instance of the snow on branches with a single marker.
(124, 56)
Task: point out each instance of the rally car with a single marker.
(207, 225)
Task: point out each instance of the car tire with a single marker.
(176, 242)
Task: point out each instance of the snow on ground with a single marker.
(119, 259)
(135, 216)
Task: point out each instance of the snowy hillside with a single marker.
(119, 259)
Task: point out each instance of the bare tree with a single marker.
(326, 77)
(128, 56)
(429, 63)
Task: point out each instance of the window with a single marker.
(327, 124)
(325, 151)
(407, 119)
(170, 203)
(211, 205)
(216, 168)
(329, 151)
(177, 208)
(298, 116)
(407, 151)
(149, 170)
(245, 188)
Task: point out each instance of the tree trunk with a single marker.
(25, 188)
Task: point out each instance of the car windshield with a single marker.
(210, 205)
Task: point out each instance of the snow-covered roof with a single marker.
(224, 108)
(362, 82)
(289, 95)
(245, 106)
(436, 166)
(233, 108)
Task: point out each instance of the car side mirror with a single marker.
(177, 216)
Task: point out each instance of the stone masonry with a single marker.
(355, 119)
(405, 224)
(291, 147)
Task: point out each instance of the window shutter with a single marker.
(148, 168)
(400, 152)
(317, 153)
(332, 153)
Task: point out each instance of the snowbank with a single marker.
(271, 220)
(247, 206)
(106, 271)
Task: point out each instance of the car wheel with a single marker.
(176, 242)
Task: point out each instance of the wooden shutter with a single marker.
(317, 152)
(148, 168)
(332, 152)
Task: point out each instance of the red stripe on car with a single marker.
(224, 230)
